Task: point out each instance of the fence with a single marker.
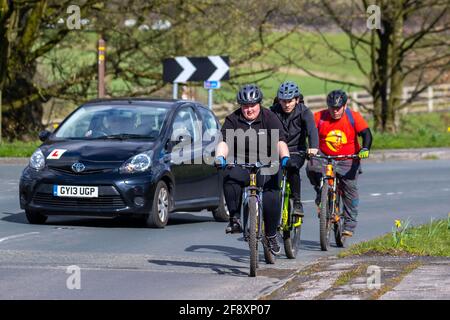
(434, 98)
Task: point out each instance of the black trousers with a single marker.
(235, 179)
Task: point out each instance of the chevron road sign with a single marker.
(184, 69)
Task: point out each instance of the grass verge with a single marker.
(427, 130)
(18, 148)
(431, 239)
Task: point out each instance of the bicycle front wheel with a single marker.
(291, 237)
(252, 236)
(324, 218)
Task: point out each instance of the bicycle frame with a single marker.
(285, 219)
(330, 177)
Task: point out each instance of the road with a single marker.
(191, 258)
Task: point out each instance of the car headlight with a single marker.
(37, 160)
(138, 163)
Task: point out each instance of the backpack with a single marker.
(349, 115)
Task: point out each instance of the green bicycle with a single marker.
(290, 225)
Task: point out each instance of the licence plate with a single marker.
(75, 191)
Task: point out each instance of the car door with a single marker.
(186, 157)
(210, 131)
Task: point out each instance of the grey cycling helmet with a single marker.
(288, 90)
(249, 94)
(336, 98)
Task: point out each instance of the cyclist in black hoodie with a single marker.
(298, 122)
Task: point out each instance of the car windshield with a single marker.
(113, 122)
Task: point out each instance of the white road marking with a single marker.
(17, 236)
(375, 194)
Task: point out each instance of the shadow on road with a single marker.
(223, 269)
(117, 222)
(310, 245)
(235, 254)
(15, 217)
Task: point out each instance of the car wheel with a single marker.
(221, 213)
(159, 215)
(35, 217)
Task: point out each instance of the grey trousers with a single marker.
(348, 172)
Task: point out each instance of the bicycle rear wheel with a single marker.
(324, 218)
(291, 237)
(252, 239)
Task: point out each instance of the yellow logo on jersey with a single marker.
(335, 140)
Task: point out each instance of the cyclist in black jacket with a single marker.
(298, 122)
(252, 117)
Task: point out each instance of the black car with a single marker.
(126, 157)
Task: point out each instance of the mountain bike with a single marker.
(290, 225)
(331, 205)
(252, 216)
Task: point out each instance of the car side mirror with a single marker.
(44, 135)
(170, 143)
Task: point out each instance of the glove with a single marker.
(284, 162)
(363, 153)
(221, 162)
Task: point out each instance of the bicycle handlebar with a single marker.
(257, 165)
(349, 156)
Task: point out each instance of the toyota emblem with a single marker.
(78, 167)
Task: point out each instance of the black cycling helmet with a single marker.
(336, 98)
(288, 90)
(249, 94)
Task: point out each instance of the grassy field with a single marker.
(18, 148)
(306, 49)
(431, 239)
(424, 130)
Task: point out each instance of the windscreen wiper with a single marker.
(123, 136)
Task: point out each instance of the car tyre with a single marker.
(35, 217)
(159, 214)
(221, 213)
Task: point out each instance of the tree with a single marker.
(42, 58)
(411, 46)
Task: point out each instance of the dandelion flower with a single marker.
(398, 223)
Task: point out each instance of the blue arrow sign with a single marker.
(211, 84)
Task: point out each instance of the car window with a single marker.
(209, 121)
(100, 121)
(186, 122)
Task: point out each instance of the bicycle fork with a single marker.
(252, 190)
(331, 180)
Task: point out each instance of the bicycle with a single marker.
(290, 225)
(331, 212)
(252, 216)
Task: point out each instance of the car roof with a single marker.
(150, 102)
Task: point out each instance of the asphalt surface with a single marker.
(191, 258)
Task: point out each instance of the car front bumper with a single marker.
(117, 194)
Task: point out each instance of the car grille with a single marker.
(102, 202)
(89, 171)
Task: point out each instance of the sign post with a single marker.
(210, 86)
(101, 67)
(175, 90)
